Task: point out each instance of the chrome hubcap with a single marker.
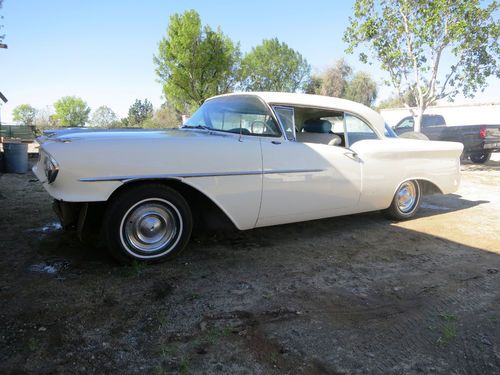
(150, 226)
(407, 197)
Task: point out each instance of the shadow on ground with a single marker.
(353, 294)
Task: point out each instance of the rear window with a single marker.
(432, 120)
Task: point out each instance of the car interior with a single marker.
(313, 125)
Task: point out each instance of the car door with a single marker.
(303, 181)
(404, 126)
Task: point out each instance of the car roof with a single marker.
(319, 101)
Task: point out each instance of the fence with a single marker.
(24, 133)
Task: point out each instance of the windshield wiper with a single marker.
(196, 127)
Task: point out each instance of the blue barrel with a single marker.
(15, 157)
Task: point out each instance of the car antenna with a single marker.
(241, 129)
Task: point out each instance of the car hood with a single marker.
(86, 134)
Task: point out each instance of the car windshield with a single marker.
(243, 114)
(388, 132)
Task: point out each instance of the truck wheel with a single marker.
(406, 201)
(147, 223)
(414, 135)
(480, 157)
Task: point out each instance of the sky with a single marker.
(102, 51)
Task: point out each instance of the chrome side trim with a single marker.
(293, 171)
(193, 175)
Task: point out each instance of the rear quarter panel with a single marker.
(389, 162)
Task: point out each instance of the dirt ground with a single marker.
(348, 295)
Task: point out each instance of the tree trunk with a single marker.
(418, 120)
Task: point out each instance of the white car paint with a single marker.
(255, 180)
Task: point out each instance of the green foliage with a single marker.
(136, 269)
(338, 80)
(313, 84)
(448, 329)
(24, 114)
(335, 79)
(195, 62)
(165, 117)
(409, 38)
(273, 66)
(104, 117)
(396, 101)
(71, 111)
(44, 120)
(138, 113)
(362, 89)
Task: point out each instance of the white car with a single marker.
(254, 159)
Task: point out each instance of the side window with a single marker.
(432, 120)
(407, 123)
(287, 119)
(357, 130)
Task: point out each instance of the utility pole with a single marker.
(4, 99)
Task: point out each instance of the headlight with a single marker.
(50, 167)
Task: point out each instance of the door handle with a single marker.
(275, 142)
(354, 156)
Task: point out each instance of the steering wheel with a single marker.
(262, 126)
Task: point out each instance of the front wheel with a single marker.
(147, 223)
(406, 201)
(480, 157)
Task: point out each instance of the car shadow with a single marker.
(432, 205)
(58, 243)
(357, 282)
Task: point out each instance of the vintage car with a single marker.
(252, 159)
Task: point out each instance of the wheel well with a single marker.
(429, 188)
(207, 215)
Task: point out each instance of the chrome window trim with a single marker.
(270, 113)
(274, 107)
(194, 175)
(347, 144)
(333, 109)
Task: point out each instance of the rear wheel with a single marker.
(406, 201)
(480, 157)
(147, 223)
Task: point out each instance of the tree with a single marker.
(195, 62)
(104, 117)
(362, 89)
(313, 85)
(138, 113)
(166, 117)
(396, 101)
(410, 37)
(44, 120)
(24, 114)
(338, 80)
(273, 66)
(71, 111)
(335, 79)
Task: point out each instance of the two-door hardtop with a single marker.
(254, 159)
